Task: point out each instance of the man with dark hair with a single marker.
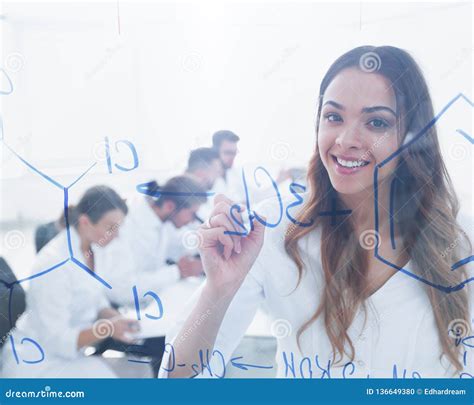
(225, 143)
(231, 184)
(139, 255)
(177, 201)
(204, 166)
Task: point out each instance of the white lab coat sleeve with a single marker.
(52, 294)
(182, 242)
(121, 269)
(124, 263)
(103, 303)
(158, 280)
(116, 264)
(236, 321)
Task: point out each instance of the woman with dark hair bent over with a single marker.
(67, 309)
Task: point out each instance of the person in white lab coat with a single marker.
(205, 166)
(230, 183)
(352, 294)
(139, 257)
(67, 309)
(224, 142)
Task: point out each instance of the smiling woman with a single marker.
(364, 116)
(349, 131)
(340, 304)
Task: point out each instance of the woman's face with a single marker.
(107, 228)
(357, 130)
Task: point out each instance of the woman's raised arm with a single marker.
(227, 259)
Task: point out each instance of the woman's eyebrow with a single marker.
(378, 108)
(364, 110)
(334, 104)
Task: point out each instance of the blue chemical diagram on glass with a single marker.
(215, 364)
(410, 144)
(71, 254)
(121, 155)
(152, 295)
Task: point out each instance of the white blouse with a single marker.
(60, 304)
(399, 339)
(137, 257)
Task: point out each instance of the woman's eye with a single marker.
(332, 117)
(378, 123)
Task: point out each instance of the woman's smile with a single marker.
(348, 166)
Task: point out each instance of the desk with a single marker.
(174, 300)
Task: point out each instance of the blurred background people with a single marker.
(224, 142)
(45, 232)
(140, 256)
(205, 166)
(67, 310)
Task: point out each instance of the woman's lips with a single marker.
(347, 170)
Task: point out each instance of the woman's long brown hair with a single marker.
(426, 223)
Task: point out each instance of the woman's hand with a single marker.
(124, 329)
(109, 324)
(189, 267)
(227, 259)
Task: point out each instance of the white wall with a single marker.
(177, 72)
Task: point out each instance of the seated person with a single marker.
(139, 256)
(45, 232)
(67, 309)
(205, 166)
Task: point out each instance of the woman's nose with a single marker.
(349, 137)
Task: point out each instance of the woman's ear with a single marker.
(169, 207)
(84, 220)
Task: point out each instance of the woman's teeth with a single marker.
(351, 163)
